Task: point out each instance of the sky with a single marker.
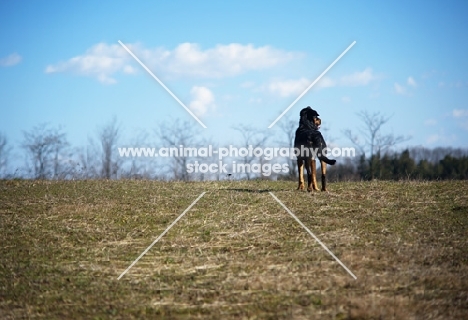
(232, 63)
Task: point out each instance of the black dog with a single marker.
(309, 137)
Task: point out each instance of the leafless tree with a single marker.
(44, 146)
(288, 126)
(89, 160)
(436, 154)
(59, 143)
(251, 137)
(4, 154)
(71, 167)
(178, 134)
(372, 140)
(144, 167)
(109, 136)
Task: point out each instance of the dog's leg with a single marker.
(300, 169)
(313, 168)
(309, 174)
(324, 175)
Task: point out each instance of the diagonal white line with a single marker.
(160, 236)
(310, 232)
(311, 85)
(162, 84)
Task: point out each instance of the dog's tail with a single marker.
(327, 161)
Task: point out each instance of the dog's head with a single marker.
(317, 122)
(311, 115)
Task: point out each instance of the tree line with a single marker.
(378, 161)
(47, 154)
(410, 164)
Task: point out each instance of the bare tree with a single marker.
(70, 166)
(144, 167)
(88, 160)
(59, 143)
(254, 138)
(178, 134)
(372, 140)
(108, 137)
(289, 126)
(4, 153)
(44, 145)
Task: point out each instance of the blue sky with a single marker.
(235, 62)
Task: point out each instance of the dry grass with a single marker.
(236, 254)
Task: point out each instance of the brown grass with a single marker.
(236, 253)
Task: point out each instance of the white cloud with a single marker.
(433, 138)
(10, 60)
(460, 113)
(430, 122)
(374, 95)
(430, 74)
(202, 100)
(325, 82)
(362, 78)
(247, 84)
(411, 82)
(452, 84)
(441, 138)
(346, 99)
(399, 89)
(461, 116)
(255, 100)
(188, 59)
(103, 60)
(286, 88)
(290, 87)
(129, 69)
(405, 90)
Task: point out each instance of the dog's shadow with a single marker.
(248, 190)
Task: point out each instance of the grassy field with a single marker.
(236, 254)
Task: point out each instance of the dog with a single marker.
(308, 144)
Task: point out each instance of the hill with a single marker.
(236, 253)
